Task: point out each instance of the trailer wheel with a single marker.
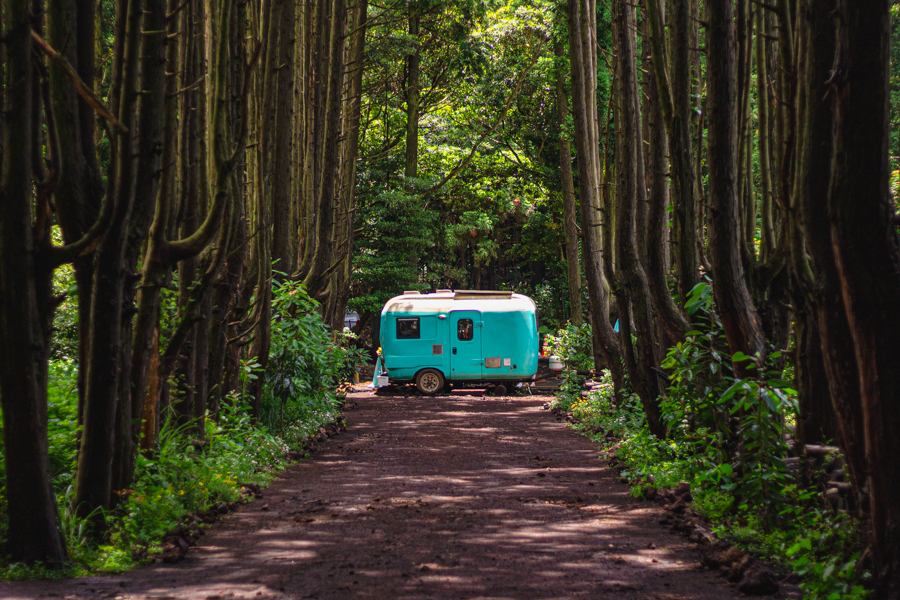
(500, 390)
(429, 381)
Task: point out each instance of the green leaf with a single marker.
(731, 391)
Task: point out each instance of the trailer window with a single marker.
(408, 329)
(464, 330)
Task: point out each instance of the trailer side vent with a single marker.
(492, 363)
(437, 349)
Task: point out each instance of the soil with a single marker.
(459, 496)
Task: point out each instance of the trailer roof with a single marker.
(443, 301)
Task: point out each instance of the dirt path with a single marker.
(458, 497)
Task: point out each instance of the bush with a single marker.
(573, 345)
(176, 480)
(306, 364)
(299, 395)
(179, 479)
(727, 438)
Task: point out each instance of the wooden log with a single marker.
(821, 450)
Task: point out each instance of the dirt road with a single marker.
(455, 497)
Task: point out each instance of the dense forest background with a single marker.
(195, 192)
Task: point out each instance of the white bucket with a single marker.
(383, 380)
(556, 363)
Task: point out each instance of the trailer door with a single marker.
(465, 345)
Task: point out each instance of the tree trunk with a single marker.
(675, 103)
(94, 475)
(283, 232)
(823, 286)
(630, 191)
(332, 69)
(573, 262)
(583, 67)
(739, 318)
(79, 191)
(816, 417)
(671, 320)
(412, 97)
(867, 254)
(33, 534)
(340, 282)
(767, 230)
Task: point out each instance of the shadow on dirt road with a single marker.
(456, 497)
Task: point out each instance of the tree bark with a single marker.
(675, 104)
(33, 534)
(630, 275)
(816, 417)
(573, 262)
(583, 67)
(767, 230)
(822, 285)
(340, 281)
(79, 192)
(332, 68)
(93, 482)
(867, 255)
(739, 318)
(283, 233)
(672, 321)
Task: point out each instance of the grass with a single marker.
(821, 547)
(178, 479)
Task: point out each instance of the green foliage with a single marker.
(734, 426)
(181, 476)
(727, 438)
(571, 390)
(396, 228)
(178, 478)
(62, 406)
(64, 344)
(624, 425)
(305, 366)
(498, 224)
(573, 345)
(822, 547)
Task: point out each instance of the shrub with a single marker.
(727, 437)
(306, 364)
(573, 345)
(180, 477)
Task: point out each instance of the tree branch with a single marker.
(83, 90)
(465, 162)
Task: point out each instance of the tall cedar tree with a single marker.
(867, 255)
(33, 531)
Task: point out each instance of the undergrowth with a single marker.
(181, 477)
(727, 438)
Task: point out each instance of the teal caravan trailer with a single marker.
(459, 337)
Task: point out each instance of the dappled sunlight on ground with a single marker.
(457, 497)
